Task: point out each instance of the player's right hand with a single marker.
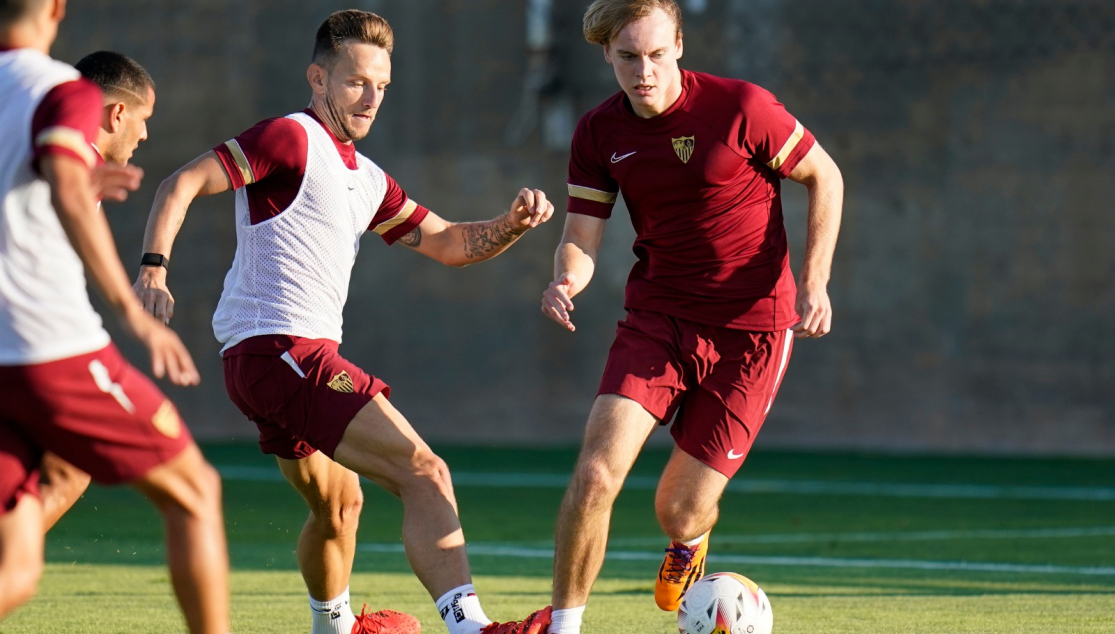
(151, 289)
(113, 182)
(169, 356)
(557, 301)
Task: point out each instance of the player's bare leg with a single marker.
(688, 498)
(687, 505)
(61, 486)
(382, 446)
(21, 553)
(187, 492)
(327, 545)
(617, 428)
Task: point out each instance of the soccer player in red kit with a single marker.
(64, 387)
(128, 102)
(711, 304)
(304, 198)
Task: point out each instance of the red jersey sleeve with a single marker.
(66, 122)
(272, 147)
(397, 215)
(770, 134)
(592, 191)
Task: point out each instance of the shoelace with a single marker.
(681, 560)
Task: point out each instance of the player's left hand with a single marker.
(815, 310)
(113, 182)
(530, 208)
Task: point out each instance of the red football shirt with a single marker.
(66, 121)
(702, 184)
(274, 153)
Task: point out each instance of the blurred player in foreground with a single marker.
(128, 98)
(304, 198)
(711, 303)
(64, 387)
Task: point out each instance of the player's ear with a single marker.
(681, 47)
(114, 116)
(607, 54)
(316, 75)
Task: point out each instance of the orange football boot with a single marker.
(536, 623)
(681, 568)
(385, 622)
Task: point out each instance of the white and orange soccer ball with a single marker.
(725, 603)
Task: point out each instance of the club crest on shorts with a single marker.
(166, 420)
(683, 147)
(342, 383)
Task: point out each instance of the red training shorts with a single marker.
(301, 393)
(94, 410)
(720, 382)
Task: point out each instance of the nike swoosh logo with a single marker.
(617, 159)
(732, 455)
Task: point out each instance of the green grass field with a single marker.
(841, 543)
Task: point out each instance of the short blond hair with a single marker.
(604, 19)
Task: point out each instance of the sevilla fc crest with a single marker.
(342, 383)
(683, 147)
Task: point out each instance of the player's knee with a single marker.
(339, 514)
(195, 490)
(596, 483)
(427, 469)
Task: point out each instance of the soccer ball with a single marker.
(725, 603)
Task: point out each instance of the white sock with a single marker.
(693, 542)
(567, 621)
(333, 616)
(461, 611)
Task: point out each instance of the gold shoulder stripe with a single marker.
(241, 161)
(791, 143)
(69, 139)
(588, 193)
(406, 212)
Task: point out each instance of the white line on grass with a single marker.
(501, 550)
(789, 487)
(890, 536)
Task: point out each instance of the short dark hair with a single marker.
(12, 11)
(352, 24)
(117, 74)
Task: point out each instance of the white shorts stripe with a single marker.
(781, 369)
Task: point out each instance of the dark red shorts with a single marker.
(300, 393)
(720, 382)
(94, 410)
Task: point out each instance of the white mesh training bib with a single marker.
(291, 272)
(45, 312)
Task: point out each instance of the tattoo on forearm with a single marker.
(481, 238)
(412, 239)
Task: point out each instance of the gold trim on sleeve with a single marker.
(588, 193)
(404, 214)
(68, 138)
(791, 143)
(241, 161)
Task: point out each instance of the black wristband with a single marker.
(155, 259)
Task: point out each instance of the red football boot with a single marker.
(385, 622)
(534, 624)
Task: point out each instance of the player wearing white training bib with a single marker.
(304, 198)
(64, 388)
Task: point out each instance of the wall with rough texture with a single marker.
(972, 284)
